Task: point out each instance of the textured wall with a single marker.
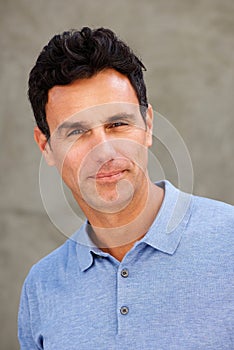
(188, 48)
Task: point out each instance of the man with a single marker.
(123, 281)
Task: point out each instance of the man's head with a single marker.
(89, 99)
(77, 55)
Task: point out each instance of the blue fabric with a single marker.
(179, 291)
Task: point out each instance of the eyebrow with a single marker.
(84, 125)
(121, 116)
(72, 125)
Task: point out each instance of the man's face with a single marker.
(99, 140)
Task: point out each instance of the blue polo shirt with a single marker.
(172, 291)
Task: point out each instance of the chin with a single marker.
(111, 198)
(110, 203)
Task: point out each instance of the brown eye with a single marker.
(116, 125)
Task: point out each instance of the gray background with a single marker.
(188, 48)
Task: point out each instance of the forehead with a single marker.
(106, 87)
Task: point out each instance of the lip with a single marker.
(109, 176)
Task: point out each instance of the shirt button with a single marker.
(124, 310)
(124, 273)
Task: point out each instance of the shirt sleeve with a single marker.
(25, 335)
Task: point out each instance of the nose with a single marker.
(103, 146)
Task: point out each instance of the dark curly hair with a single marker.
(81, 54)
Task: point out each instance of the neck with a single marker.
(117, 233)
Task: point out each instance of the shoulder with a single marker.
(54, 265)
(208, 237)
(211, 225)
(213, 211)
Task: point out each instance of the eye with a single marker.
(116, 125)
(77, 132)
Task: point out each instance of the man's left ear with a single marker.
(149, 125)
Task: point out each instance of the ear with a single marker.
(44, 146)
(149, 125)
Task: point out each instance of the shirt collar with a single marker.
(85, 248)
(164, 234)
(166, 231)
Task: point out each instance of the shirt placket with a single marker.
(123, 298)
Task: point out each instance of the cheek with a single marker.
(134, 149)
(68, 163)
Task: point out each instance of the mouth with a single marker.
(109, 177)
